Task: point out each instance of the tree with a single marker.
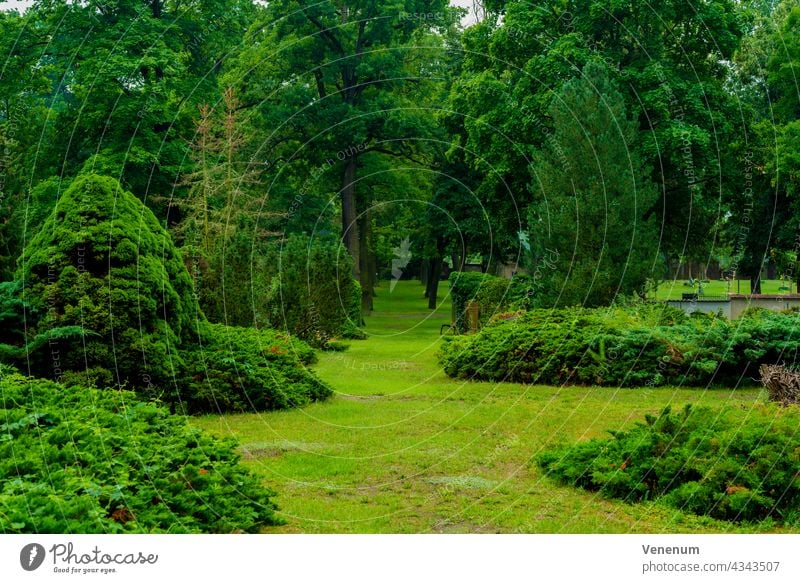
(670, 63)
(590, 225)
(761, 222)
(338, 81)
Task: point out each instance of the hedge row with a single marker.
(645, 344)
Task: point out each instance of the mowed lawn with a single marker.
(401, 448)
(674, 289)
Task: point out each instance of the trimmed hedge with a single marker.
(645, 344)
(730, 464)
(79, 460)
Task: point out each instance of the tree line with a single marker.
(604, 140)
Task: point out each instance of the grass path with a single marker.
(403, 448)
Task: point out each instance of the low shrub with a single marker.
(79, 460)
(642, 344)
(245, 369)
(728, 464)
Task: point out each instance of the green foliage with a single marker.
(644, 344)
(674, 89)
(312, 292)
(103, 268)
(103, 298)
(493, 294)
(730, 464)
(78, 460)
(593, 198)
(245, 369)
(302, 285)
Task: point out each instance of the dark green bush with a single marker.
(731, 464)
(104, 290)
(79, 460)
(494, 295)
(312, 294)
(244, 369)
(644, 344)
(107, 301)
(301, 285)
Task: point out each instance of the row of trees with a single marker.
(590, 142)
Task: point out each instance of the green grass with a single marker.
(401, 448)
(672, 290)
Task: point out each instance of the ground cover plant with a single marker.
(80, 460)
(641, 344)
(732, 463)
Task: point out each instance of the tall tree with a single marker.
(761, 222)
(341, 80)
(670, 61)
(590, 225)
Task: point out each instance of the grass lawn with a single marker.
(402, 448)
(672, 290)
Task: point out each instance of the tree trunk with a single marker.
(755, 282)
(373, 263)
(423, 274)
(432, 289)
(350, 237)
(435, 274)
(366, 278)
(458, 262)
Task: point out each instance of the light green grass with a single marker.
(673, 290)
(402, 448)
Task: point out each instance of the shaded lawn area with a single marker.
(401, 448)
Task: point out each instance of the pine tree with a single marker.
(589, 237)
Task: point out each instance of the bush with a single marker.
(244, 369)
(79, 460)
(640, 344)
(728, 464)
(302, 286)
(313, 293)
(107, 301)
(493, 294)
(104, 290)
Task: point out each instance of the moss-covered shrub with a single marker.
(638, 345)
(731, 464)
(80, 460)
(102, 297)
